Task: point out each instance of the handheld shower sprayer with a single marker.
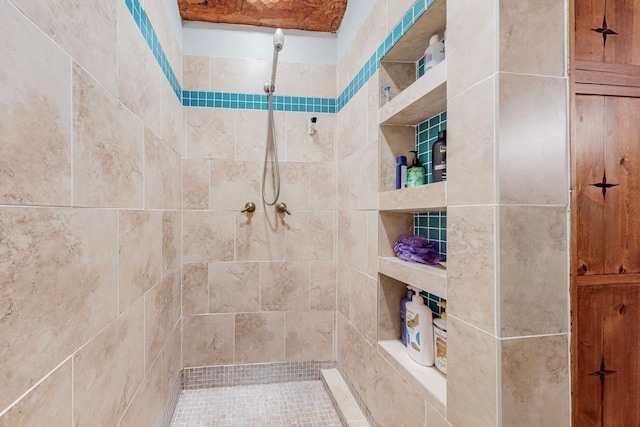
(278, 40)
(278, 43)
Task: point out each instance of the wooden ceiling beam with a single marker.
(308, 15)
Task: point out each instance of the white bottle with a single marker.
(434, 53)
(419, 324)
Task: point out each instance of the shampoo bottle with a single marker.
(439, 157)
(440, 340)
(419, 322)
(434, 53)
(401, 172)
(415, 174)
(403, 312)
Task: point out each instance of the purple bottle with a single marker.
(403, 314)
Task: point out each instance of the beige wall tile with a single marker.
(233, 183)
(372, 243)
(239, 75)
(471, 34)
(322, 187)
(107, 148)
(355, 354)
(368, 37)
(159, 18)
(302, 147)
(234, 287)
(35, 161)
(471, 375)
(161, 312)
(59, 287)
(352, 125)
(533, 157)
(171, 241)
(532, 37)
(197, 71)
(471, 267)
(344, 184)
(208, 340)
(323, 81)
(322, 287)
(436, 419)
(364, 305)
(390, 293)
(396, 9)
(147, 405)
(47, 404)
(259, 337)
(373, 123)
(364, 182)
(471, 155)
(85, 30)
(311, 236)
(251, 134)
(210, 133)
(259, 236)
(172, 122)
(533, 263)
(309, 335)
(284, 286)
(140, 254)
(535, 381)
(292, 79)
(195, 289)
(195, 183)
(207, 236)
(342, 73)
(352, 247)
(171, 362)
(343, 296)
(294, 186)
(162, 170)
(111, 366)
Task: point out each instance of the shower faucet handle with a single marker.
(249, 207)
(282, 208)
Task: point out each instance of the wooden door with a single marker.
(605, 272)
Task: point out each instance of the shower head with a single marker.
(278, 40)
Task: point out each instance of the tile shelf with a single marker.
(424, 198)
(428, 278)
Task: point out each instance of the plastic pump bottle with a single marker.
(419, 322)
(403, 312)
(415, 174)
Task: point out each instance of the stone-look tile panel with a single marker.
(140, 78)
(323, 81)
(322, 286)
(535, 381)
(373, 122)
(435, 418)
(196, 71)
(49, 404)
(107, 148)
(146, 407)
(352, 243)
(35, 162)
(171, 362)
(162, 170)
(234, 287)
(171, 241)
(344, 184)
(344, 289)
(208, 340)
(302, 147)
(251, 134)
(195, 289)
(207, 236)
(343, 77)
(470, 265)
(471, 34)
(356, 356)
(521, 24)
(294, 186)
(322, 187)
(319, 244)
(161, 312)
(210, 133)
(372, 243)
(234, 183)
(364, 183)
(352, 125)
(260, 236)
(58, 284)
(239, 75)
(172, 123)
(471, 375)
(533, 157)
(140, 254)
(471, 159)
(87, 31)
(533, 262)
(111, 366)
(364, 305)
(195, 184)
(309, 335)
(259, 337)
(293, 79)
(284, 286)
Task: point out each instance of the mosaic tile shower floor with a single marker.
(304, 403)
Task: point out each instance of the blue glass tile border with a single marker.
(249, 101)
(150, 36)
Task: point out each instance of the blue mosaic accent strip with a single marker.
(247, 101)
(150, 36)
(373, 64)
